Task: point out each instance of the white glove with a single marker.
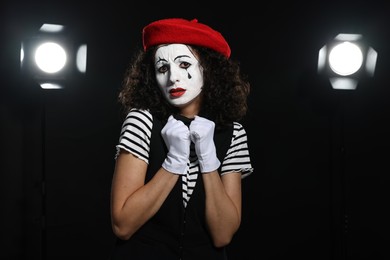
(202, 134)
(177, 138)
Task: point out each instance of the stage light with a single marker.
(345, 60)
(52, 56)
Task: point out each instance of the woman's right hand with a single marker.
(176, 136)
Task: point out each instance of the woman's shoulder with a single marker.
(138, 111)
(237, 126)
(138, 117)
(140, 114)
(239, 131)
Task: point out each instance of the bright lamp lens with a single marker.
(345, 58)
(50, 57)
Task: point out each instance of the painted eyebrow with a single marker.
(160, 59)
(181, 56)
(178, 57)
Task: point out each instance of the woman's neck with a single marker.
(192, 109)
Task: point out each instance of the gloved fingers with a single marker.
(201, 127)
(175, 129)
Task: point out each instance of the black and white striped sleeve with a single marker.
(237, 158)
(136, 133)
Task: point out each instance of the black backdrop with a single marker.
(320, 185)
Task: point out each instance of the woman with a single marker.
(181, 156)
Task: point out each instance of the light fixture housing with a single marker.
(51, 56)
(345, 60)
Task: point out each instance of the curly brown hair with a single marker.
(225, 88)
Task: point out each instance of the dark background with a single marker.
(321, 156)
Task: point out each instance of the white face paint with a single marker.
(178, 73)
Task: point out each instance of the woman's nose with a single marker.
(174, 74)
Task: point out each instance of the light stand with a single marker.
(343, 61)
(50, 58)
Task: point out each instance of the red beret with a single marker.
(177, 30)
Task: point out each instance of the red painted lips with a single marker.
(177, 92)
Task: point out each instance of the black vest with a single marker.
(175, 232)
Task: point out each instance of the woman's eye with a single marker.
(162, 69)
(185, 65)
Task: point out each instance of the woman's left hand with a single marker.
(202, 134)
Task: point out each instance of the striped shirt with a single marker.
(135, 138)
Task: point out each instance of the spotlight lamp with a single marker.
(345, 60)
(51, 57)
